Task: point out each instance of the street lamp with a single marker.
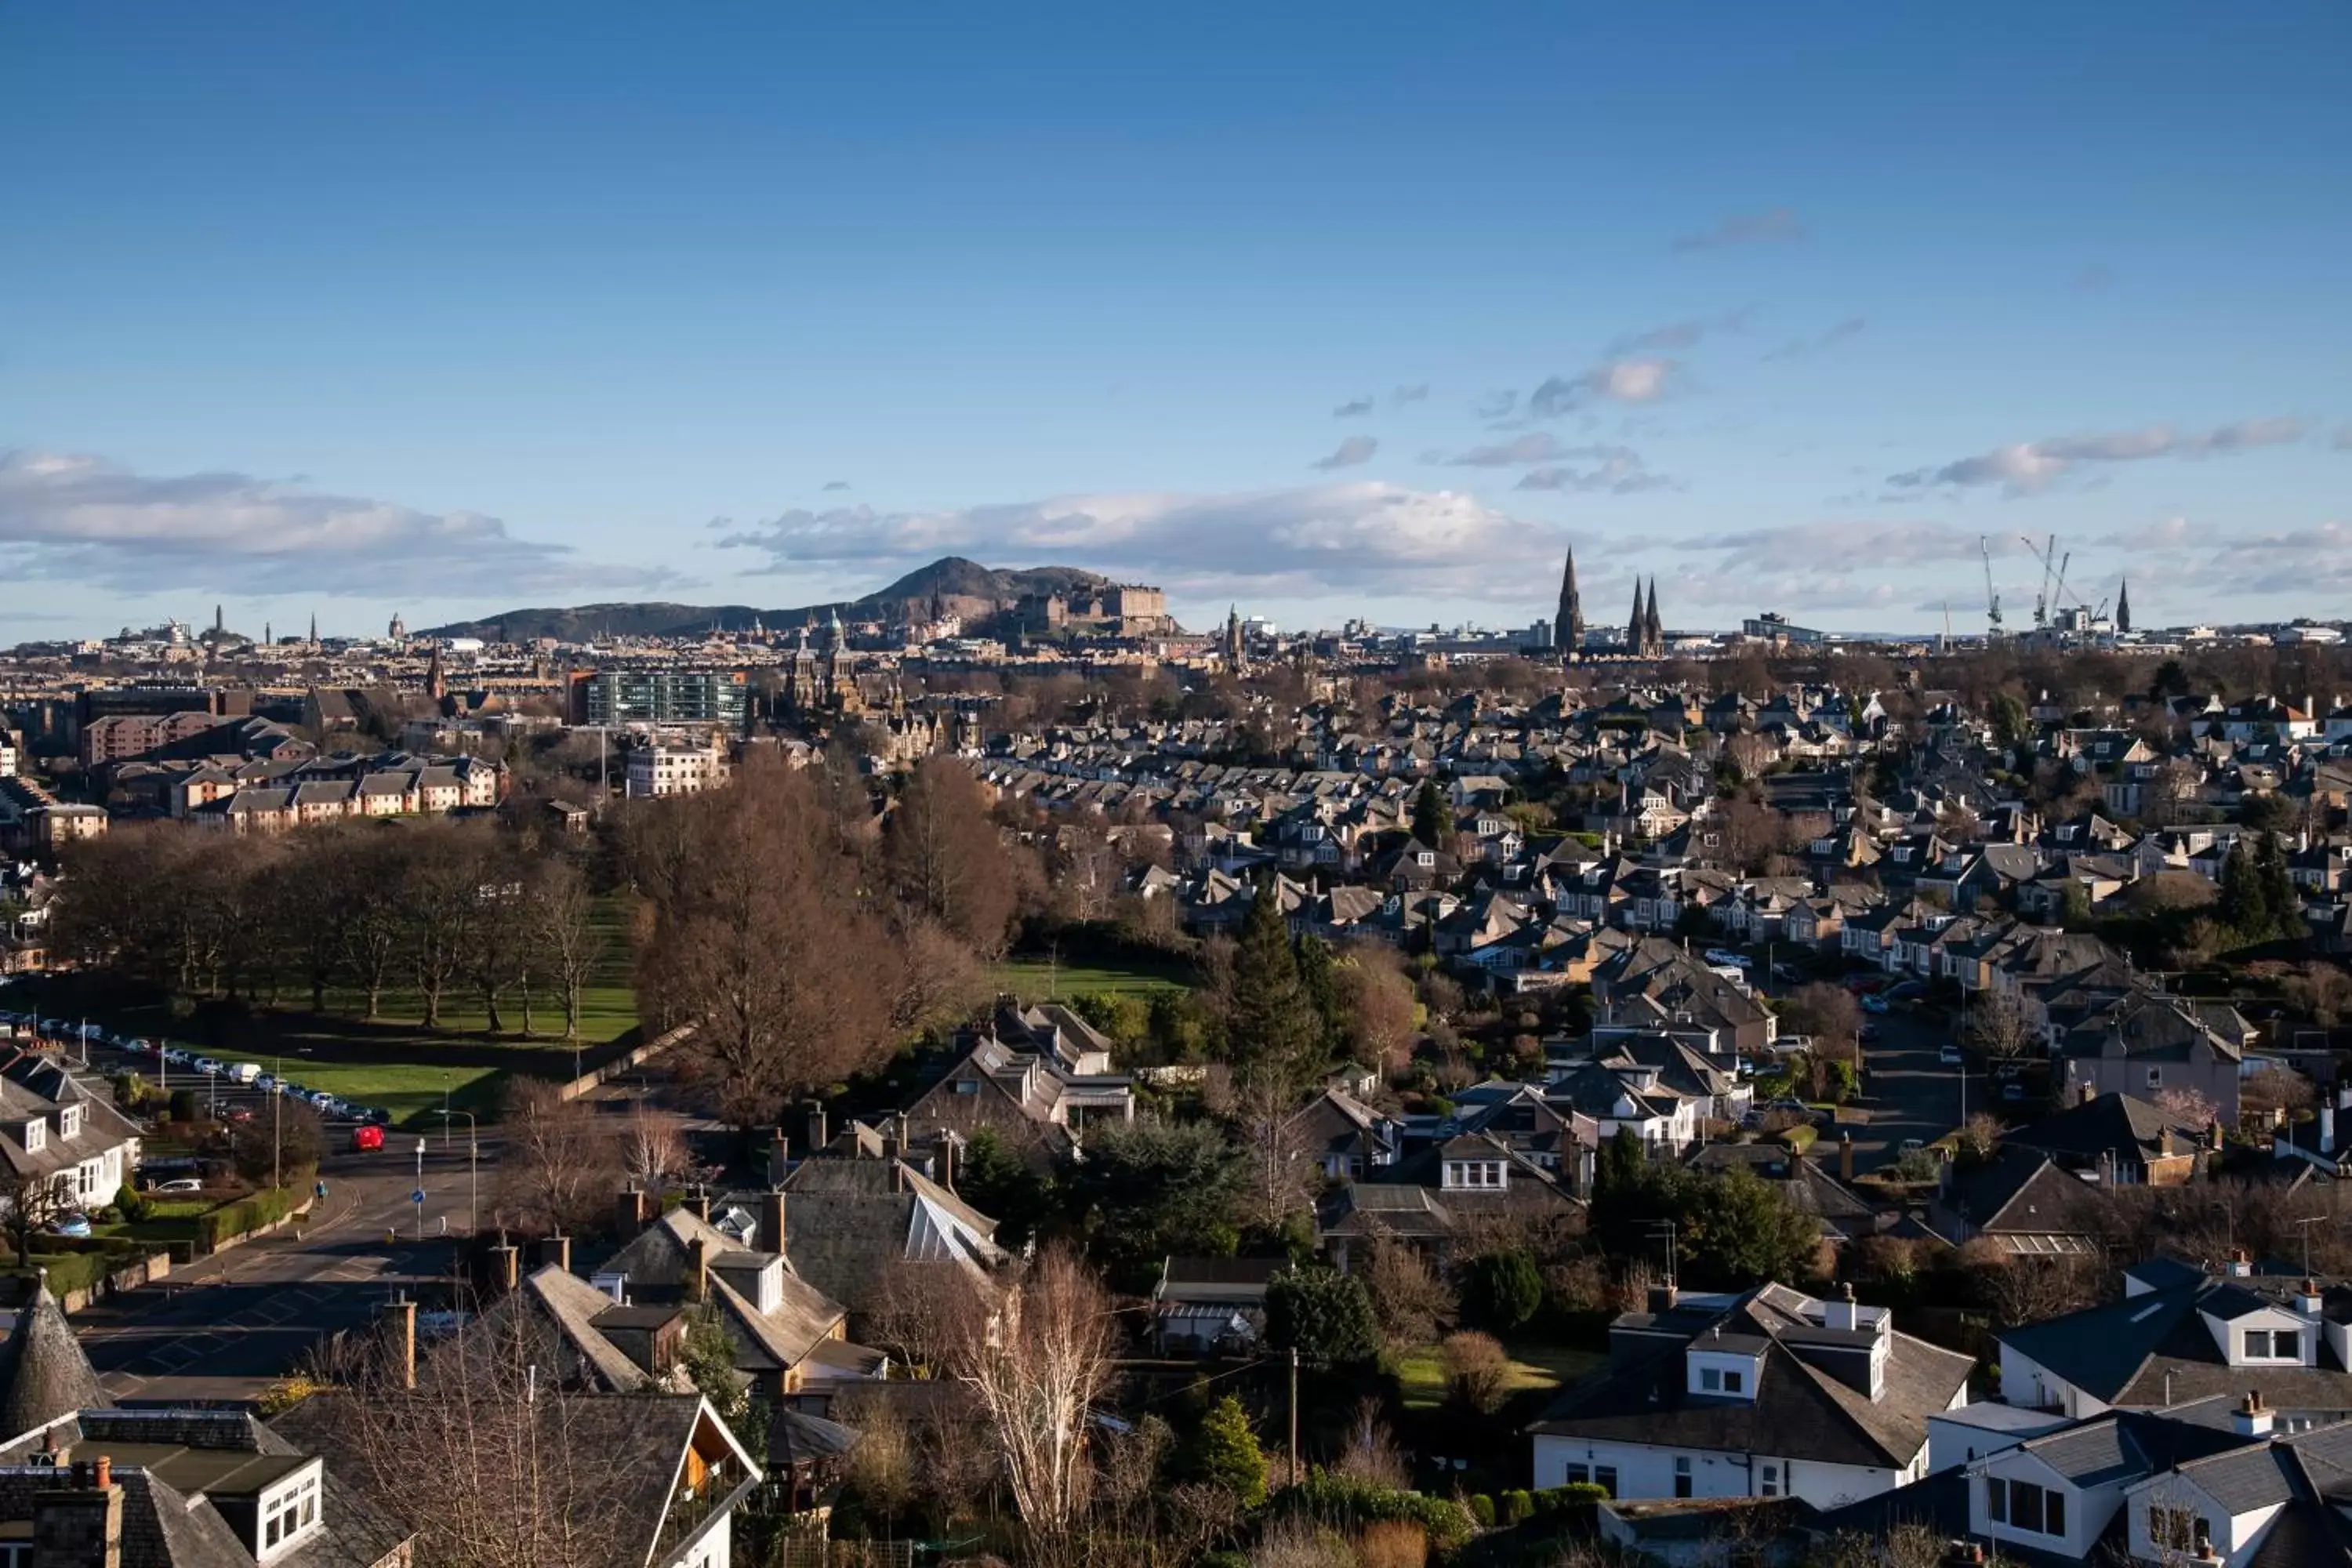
(445, 1110)
(420, 1187)
(473, 1168)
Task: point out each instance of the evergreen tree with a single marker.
(1504, 1290)
(995, 1180)
(1325, 1315)
(2244, 907)
(2280, 900)
(1276, 1033)
(1433, 816)
(1738, 1232)
(1319, 976)
(1226, 1453)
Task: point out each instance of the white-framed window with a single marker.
(1710, 1380)
(1683, 1475)
(1768, 1479)
(2274, 1345)
(2021, 1505)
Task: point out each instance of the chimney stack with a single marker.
(2252, 1418)
(506, 1266)
(780, 1157)
(400, 1334)
(629, 1212)
(2241, 1266)
(2326, 1128)
(2307, 1300)
(770, 1233)
(557, 1249)
(80, 1524)
(698, 1203)
(1845, 1157)
(817, 1136)
(943, 1161)
(697, 1270)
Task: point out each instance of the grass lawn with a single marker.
(411, 1089)
(1035, 979)
(1420, 1373)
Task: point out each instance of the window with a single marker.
(1731, 1382)
(2274, 1345)
(1576, 1476)
(1711, 1379)
(2021, 1505)
(1768, 1479)
(2179, 1529)
(2156, 1077)
(1605, 1478)
(1682, 1474)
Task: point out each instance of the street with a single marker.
(1907, 1092)
(225, 1327)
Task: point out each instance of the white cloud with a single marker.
(1619, 380)
(1538, 446)
(1353, 452)
(1360, 535)
(1770, 225)
(1620, 472)
(2032, 464)
(82, 519)
(1838, 548)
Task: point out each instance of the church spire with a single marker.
(2123, 607)
(1639, 625)
(1568, 630)
(1653, 630)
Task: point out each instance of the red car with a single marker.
(366, 1140)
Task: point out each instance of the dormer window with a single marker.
(69, 1120)
(289, 1513)
(1474, 1175)
(1426, 858)
(36, 1137)
(2274, 1345)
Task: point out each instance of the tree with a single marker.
(1148, 1189)
(559, 1168)
(1325, 1315)
(564, 915)
(2003, 1024)
(1503, 1290)
(2244, 904)
(994, 1179)
(29, 1201)
(1407, 1297)
(1433, 816)
(1276, 1036)
(1377, 1009)
(441, 901)
(943, 855)
(2273, 1092)
(757, 939)
(1738, 1231)
(1827, 1013)
(284, 1142)
(1037, 1362)
(1226, 1453)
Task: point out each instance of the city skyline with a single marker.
(1326, 314)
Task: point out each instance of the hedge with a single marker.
(74, 1270)
(244, 1216)
(1349, 1503)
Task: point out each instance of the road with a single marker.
(1908, 1092)
(225, 1327)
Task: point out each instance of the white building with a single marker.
(1770, 1393)
(52, 1125)
(658, 769)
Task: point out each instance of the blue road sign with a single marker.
(417, 1197)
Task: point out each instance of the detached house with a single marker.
(53, 1125)
(1768, 1393)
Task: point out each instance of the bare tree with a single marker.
(1035, 1361)
(944, 856)
(1377, 1006)
(2003, 1024)
(1409, 1297)
(559, 1168)
(654, 1150)
(1283, 1175)
(562, 912)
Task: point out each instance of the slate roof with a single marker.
(2155, 1349)
(1798, 1410)
(43, 1372)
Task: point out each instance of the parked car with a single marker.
(367, 1138)
(1725, 955)
(1872, 1002)
(2012, 1090)
(1912, 1146)
(179, 1185)
(68, 1222)
(1950, 1055)
(1787, 973)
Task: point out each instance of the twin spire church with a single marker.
(1645, 635)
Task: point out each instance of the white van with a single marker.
(244, 1072)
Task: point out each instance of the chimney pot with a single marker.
(105, 1471)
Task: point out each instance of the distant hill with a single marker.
(963, 587)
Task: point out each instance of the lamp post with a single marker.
(473, 1168)
(420, 1187)
(445, 1110)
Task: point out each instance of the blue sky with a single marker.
(1326, 311)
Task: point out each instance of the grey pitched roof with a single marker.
(43, 1372)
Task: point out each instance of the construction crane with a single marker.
(2042, 600)
(1993, 595)
(2055, 589)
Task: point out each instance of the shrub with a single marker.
(132, 1202)
(1514, 1507)
(1577, 1497)
(1323, 1314)
(1482, 1508)
(1343, 1500)
(1477, 1372)
(183, 1106)
(1226, 1455)
(1393, 1543)
(244, 1216)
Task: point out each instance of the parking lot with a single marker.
(221, 1093)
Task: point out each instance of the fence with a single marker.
(814, 1552)
(633, 1058)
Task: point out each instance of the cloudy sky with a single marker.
(1324, 310)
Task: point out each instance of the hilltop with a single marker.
(963, 587)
